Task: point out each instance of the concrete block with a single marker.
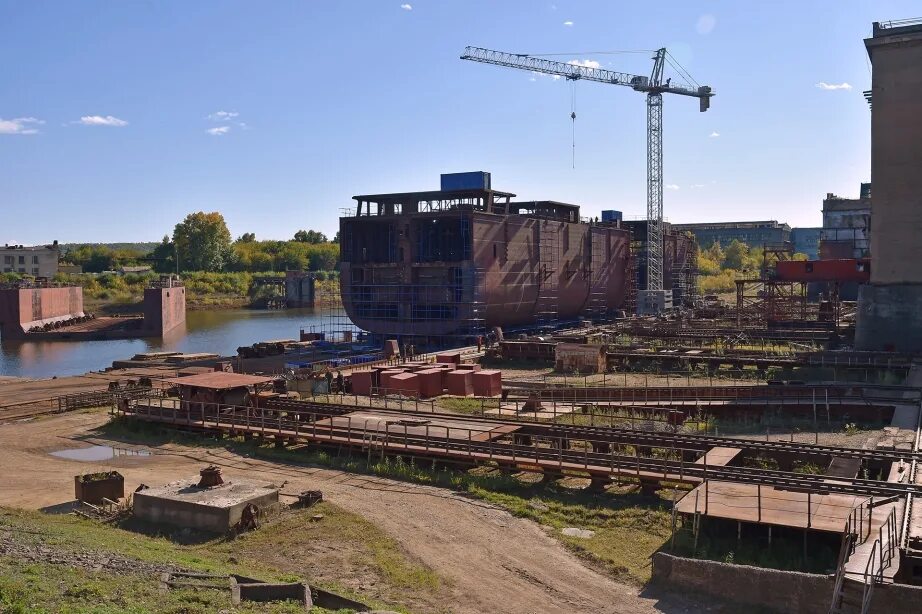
(215, 509)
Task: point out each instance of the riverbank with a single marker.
(123, 294)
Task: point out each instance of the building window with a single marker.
(34, 259)
(22, 270)
(7, 260)
(35, 270)
(22, 260)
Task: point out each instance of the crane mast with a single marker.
(654, 87)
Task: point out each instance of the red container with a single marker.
(431, 382)
(459, 383)
(846, 269)
(487, 382)
(469, 367)
(384, 379)
(405, 384)
(362, 382)
(453, 358)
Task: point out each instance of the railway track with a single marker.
(412, 435)
(621, 436)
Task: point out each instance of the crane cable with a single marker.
(573, 121)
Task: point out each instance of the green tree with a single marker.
(735, 256)
(202, 241)
(247, 237)
(310, 236)
(164, 256)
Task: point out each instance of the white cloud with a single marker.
(585, 63)
(536, 75)
(99, 120)
(222, 116)
(714, 135)
(20, 125)
(671, 186)
(833, 86)
(696, 186)
(568, 23)
(407, 7)
(705, 24)
(219, 131)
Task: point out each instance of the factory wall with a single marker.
(896, 155)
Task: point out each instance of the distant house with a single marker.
(140, 270)
(37, 260)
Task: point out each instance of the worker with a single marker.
(479, 342)
(329, 377)
(339, 382)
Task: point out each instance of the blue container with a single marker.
(476, 180)
(610, 215)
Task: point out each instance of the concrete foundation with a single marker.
(216, 509)
(889, 318)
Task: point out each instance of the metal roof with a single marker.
(219, 380)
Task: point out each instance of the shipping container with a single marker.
(475, 180)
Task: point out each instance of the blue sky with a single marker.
(119, 118)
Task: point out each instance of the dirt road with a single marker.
(493, 561)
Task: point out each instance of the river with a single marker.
(219, 332)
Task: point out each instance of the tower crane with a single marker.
(654, 87)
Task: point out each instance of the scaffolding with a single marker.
(599, 259)
(684, 271)
(769, 300)
(548, 274)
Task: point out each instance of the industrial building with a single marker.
(767, 232)
(846, 226)
(890, 307)
(35, 260)
(806, 241)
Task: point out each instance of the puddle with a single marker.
(97, 453)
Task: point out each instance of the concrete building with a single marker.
(35, 260)
(846, 226)
(890, 307)
(806, 241)
(768, 232)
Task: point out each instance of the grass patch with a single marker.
(461, 405)
(341, 547)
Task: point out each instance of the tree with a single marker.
(164, 256)
(335, 238)
(310, 236)
(202, 241)
(247, 237)
(735, 255)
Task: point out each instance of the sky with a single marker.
(119, 118)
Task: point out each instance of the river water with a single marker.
(219, 332)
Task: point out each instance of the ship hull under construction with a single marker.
(431, 265)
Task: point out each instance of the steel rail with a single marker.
(517, 454)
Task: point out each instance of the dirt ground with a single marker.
(492, 561)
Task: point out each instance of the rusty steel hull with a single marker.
(459, 272)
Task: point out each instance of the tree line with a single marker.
(202, 242)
